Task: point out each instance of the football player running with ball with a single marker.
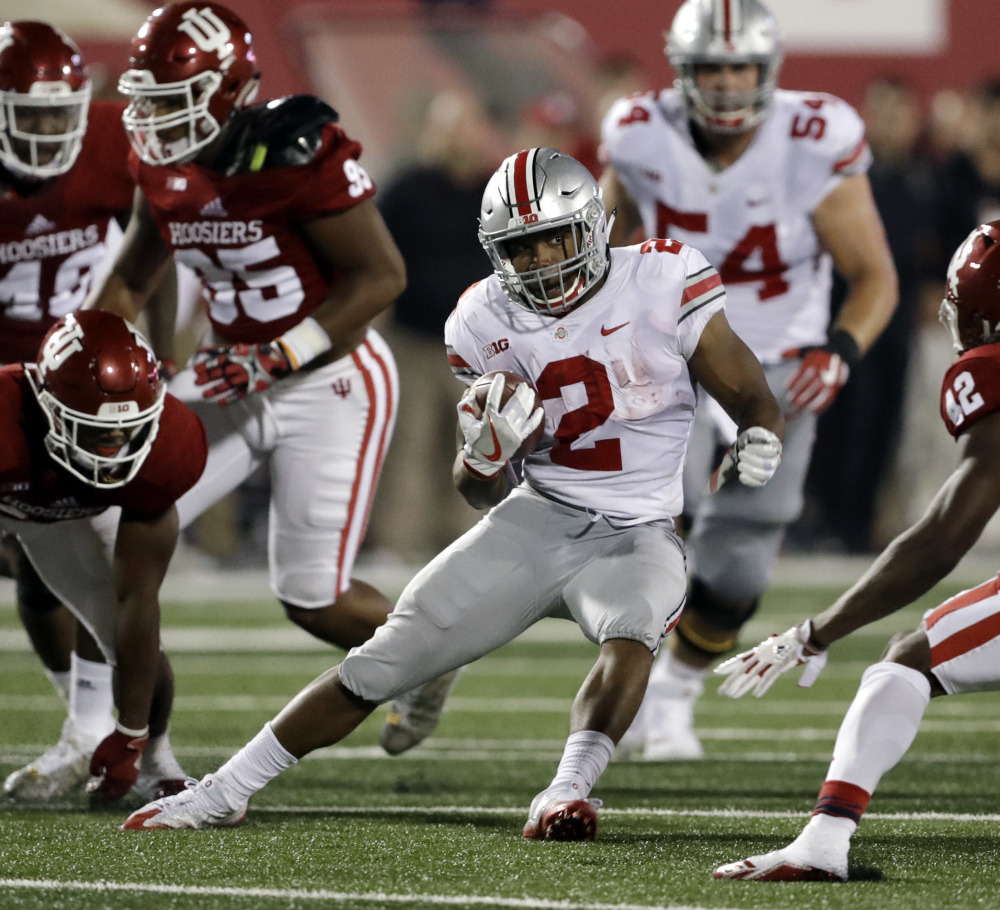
(612, 342)
(771, 186)
(270, 208)
(89, 431)
(956, 648)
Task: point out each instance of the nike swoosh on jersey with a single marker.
(605, 331)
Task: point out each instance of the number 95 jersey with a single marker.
(612, 375)
(752, 220)
(237, 224)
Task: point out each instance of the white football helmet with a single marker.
(536, 190)
(719, 32)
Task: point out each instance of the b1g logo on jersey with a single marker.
(61, 344)
(209, 32)
(962, 399)
(496, 347)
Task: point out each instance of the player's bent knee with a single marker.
(910, 649)
(307, 592)
(717, 611)
(32, 595)
(371, 680)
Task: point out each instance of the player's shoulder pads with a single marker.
(284, 132)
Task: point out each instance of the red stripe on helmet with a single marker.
(521, 197)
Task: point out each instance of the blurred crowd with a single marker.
(880, 454)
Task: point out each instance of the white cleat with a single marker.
(786, 865)
(553, 817)
(160, 774)
(414, 716)
(190, 809)
(60, 771)
(670, 732)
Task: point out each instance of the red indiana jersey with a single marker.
(238, 224)
(35, 488)
(52, 239)
(971, 388)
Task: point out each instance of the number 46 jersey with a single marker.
(612, 375)
(752, 220)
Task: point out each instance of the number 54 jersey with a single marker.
(752, 220)
(612, 375)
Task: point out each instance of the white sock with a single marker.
(159, 758)
(876, 732)
(825, 837)
(253, 767)
(672, 678)
(880, 725)
(61, 681)
(584, 759)
(91, 700)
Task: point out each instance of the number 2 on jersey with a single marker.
(604, 454)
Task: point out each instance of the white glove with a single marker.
(755, 670)
(492, 437)
(757, 453)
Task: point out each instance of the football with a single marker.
(511, 382)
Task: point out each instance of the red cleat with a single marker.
(779, 866)
(573, 819)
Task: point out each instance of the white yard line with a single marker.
(636, 812)
(340, 897)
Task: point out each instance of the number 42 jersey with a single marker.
(752, 220)
(612, 375)
(970, 390)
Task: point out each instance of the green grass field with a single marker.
(350, 827)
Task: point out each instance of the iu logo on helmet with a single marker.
(61, 344)
(209, 32)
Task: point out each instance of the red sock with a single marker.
(842, 800)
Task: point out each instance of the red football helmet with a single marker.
(970, 310)
(44, 97)
(98, 383)
(190, 66)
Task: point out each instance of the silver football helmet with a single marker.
(536, 190)
(718, 32)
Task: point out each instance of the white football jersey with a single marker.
(612, 375)
(753, 219)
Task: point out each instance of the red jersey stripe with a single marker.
(967, 640)
(986, 589)
(851, 158)
(702, 287)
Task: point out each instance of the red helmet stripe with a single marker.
(522, 192)
(727, 19)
